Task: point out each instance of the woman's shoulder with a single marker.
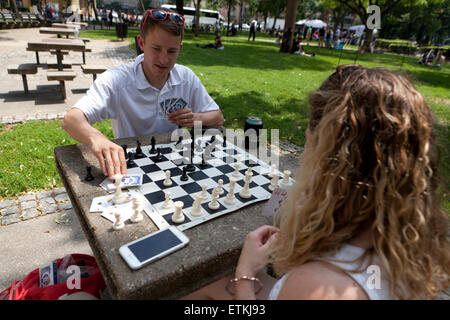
(319, 280)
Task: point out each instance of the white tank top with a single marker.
(372, 279)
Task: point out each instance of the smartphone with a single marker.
(153, 247)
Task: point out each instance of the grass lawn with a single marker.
(247, 78)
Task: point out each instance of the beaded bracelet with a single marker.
(243, 278)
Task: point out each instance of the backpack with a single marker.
(28, 289)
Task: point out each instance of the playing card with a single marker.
(100, 204)
(275, 201)
(131, 180)
(48, 275)
(109, 213)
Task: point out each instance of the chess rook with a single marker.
(178, 216)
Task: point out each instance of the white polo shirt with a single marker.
(124, 95)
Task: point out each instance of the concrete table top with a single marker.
(58, 31)
(212, 253)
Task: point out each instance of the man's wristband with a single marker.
(233, 281)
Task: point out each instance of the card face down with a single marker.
(132, 180)
(172, 104)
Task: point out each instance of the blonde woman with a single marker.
(363, 219)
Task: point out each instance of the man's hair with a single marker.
(168, 24)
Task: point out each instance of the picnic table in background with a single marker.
(58, 31)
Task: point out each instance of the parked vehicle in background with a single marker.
(207, 17)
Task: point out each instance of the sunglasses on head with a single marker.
(161, 15)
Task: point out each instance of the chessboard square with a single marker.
(175, 192)
(155, 176)
(197, 175)
(216, 162)
(149, 188)
(261, 193)
(228, 160)
(251, 163)
(225, 179)
(166, 165)
(225, 168)
(143, 162)
(155, 197)
(266, 187)
(191, 187)
(150, 168)
(262, 169)
(175, 172)
(166, 150)
(260, 179)
(225, 192)
(135, 170)
(254, 174)
(218, 154)
(242, 183)
(174, 156)
(162, 159)
(160, 184)
(187, 200)
(146, 179)
(210, 211)
(252, 197)
(209, 183)
(168, 218)
(231, 151)
(212, 172)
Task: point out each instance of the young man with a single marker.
(138, 96)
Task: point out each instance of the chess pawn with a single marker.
(245, 192)
(274, 182)
(167, 182)
(204, 193)
(285, 182)
(214, 204)
(236, 169)
(272, 170)
(137, 215)
(118, 224)
(119, 197)
(196, 208)
(167, 203)
(220, 187)
(178, 216)
(230, 198)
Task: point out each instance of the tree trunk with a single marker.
(197, 18)
(291, 12)
(180, 4)
(368, 35)
(229, 17)
(241, 4)
(272, 31)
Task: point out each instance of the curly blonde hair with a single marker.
(370, 162)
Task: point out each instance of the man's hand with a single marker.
(110, 156)
(183, 117)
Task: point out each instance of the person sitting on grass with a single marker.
(362, 219)
(297, 49)
(216, 45)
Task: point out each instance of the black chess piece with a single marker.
(203, 165)
(224, 144)
(184, 176)
(139, 154)
(130, 159)
(124, 147)
(153, 149)
(179, 144)
(213, 138)
(159, 155)
(190, 167)
(89, 176)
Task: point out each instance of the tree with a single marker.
(180, 4)
(13, 6)
(197, 17)
(386, 7)
(289, 25)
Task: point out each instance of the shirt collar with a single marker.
(142, 82)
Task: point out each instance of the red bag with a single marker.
(28, 288)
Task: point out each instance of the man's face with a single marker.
(161, 50)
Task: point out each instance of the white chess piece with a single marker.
(285, 182)
(245, 192)
(214, 204)
(137, 215)
(196, 207)
(220, 187)
(167, 182)
(118, 224)
(272, 170)
(178, 216)
(119, 197)
(230, 198)
(167, 202)
(236, 169)
(204, 193)
(274, 182)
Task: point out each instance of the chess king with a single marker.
(151, 95)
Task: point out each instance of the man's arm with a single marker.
(185, 118)
(110, 155)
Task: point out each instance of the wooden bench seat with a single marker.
(53, 64)
(61, 76)
(23, 70)
(93, 69)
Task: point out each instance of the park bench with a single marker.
(9, 20)
(33, 20)
(61, 76)
(23, 70)
(93, 69)
(21, 20)
(53, 64)
(85, 40)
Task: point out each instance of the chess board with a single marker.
(219, 165)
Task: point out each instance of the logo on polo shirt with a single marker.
(172, 104)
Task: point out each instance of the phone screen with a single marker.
(154, 245)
